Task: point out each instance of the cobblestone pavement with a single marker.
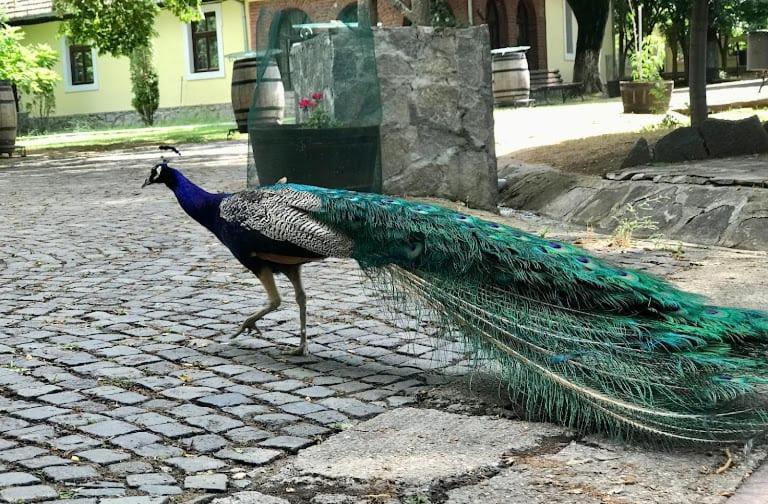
(113, 305)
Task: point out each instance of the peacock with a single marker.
(576, 339)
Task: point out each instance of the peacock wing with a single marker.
(284, 215)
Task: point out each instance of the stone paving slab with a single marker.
(418, 446)
(113, 308)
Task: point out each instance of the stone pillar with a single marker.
(437, 128)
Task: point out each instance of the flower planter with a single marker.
(613, 89)
(646, 97)
(342, 158)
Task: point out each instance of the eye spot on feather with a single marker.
(495, 226)
(712, 311)
(543, 249)
(623, 273)
(555, 245)
(583, 259)
(387, 201)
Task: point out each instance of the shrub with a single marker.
(649, 60)
(144, 82)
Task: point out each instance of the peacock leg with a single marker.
(273, 302)
(294, 275)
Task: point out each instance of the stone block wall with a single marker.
(437, 129)
(342, 65)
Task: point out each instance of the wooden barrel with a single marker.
(265, 102)
(511, 78)
(7, 119)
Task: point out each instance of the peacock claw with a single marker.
(247, 327)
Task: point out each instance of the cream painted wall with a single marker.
(556, 59)
(113, 93)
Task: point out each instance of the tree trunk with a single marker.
(622, 53)
(697, 76)
(418, 12)
(675, 53)
(591, 16)
(723, 44)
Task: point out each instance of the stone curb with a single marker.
(754, 490)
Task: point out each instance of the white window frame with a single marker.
(186, 29)
(569, 56)
(77, 88)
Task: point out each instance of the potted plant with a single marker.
(647, 92)
(318, 151)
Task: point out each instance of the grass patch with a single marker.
(126, 138)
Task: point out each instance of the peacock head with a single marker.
(158, 175)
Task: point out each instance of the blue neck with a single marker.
(198, 203)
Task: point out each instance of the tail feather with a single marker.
(578, 340)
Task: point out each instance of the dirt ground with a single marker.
(596, 155)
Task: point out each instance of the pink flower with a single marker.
(306, 103)
(317, 95)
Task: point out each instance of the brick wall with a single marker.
(324, 10)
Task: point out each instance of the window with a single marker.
(205, 53)
(571, 32)
(79, 62)
(80, 65)
(204, 46)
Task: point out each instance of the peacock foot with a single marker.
(247, 326)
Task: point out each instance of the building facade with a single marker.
(191, 58)
(195, 73)
(548, 27)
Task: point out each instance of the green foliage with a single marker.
(144, 83)
(118, 27)
(648, 62)
(318, 117)
(667, 122)
(30, 67)
(442, 15)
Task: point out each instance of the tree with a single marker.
(145, 84)
(29, 67)
(124, 28)
(418, 12)
(592, 16)
(697, 77)
(117, 27)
